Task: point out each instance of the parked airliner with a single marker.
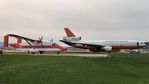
(100, 45)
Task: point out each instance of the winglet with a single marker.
(69, 33)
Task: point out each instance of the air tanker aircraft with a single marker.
(101, 45)
(32, 45)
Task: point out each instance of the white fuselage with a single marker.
(106, 45)
(112, 42)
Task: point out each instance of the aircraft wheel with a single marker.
(41, 52)
(1, 52)
(138, 52)
(109, 54)
(33, 52)
(58, 52)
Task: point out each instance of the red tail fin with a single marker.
(69, 33)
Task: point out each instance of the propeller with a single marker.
(51, 40)
(40, 40)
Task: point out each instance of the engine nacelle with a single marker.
(72, 38)
(107, 48)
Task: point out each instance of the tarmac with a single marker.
(68, 53)
(73, 54)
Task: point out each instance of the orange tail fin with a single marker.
(69, 33)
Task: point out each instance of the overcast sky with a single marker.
(91, 19)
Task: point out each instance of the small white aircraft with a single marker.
(101, 45)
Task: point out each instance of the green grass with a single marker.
(118, 69)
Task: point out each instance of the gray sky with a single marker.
(91, 19)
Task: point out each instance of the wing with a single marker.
(90, 45)
(93, 47)
(83, 45)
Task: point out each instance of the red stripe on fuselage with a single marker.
(126, 47)
(53, 46)
(114, 48)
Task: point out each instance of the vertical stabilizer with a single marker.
(69, 33)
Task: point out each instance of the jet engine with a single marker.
(72, 38)
(107, 48)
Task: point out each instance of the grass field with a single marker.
(118, 69)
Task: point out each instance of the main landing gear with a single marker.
(109, 54)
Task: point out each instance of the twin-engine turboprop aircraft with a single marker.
(101, 45)
(32, 45)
